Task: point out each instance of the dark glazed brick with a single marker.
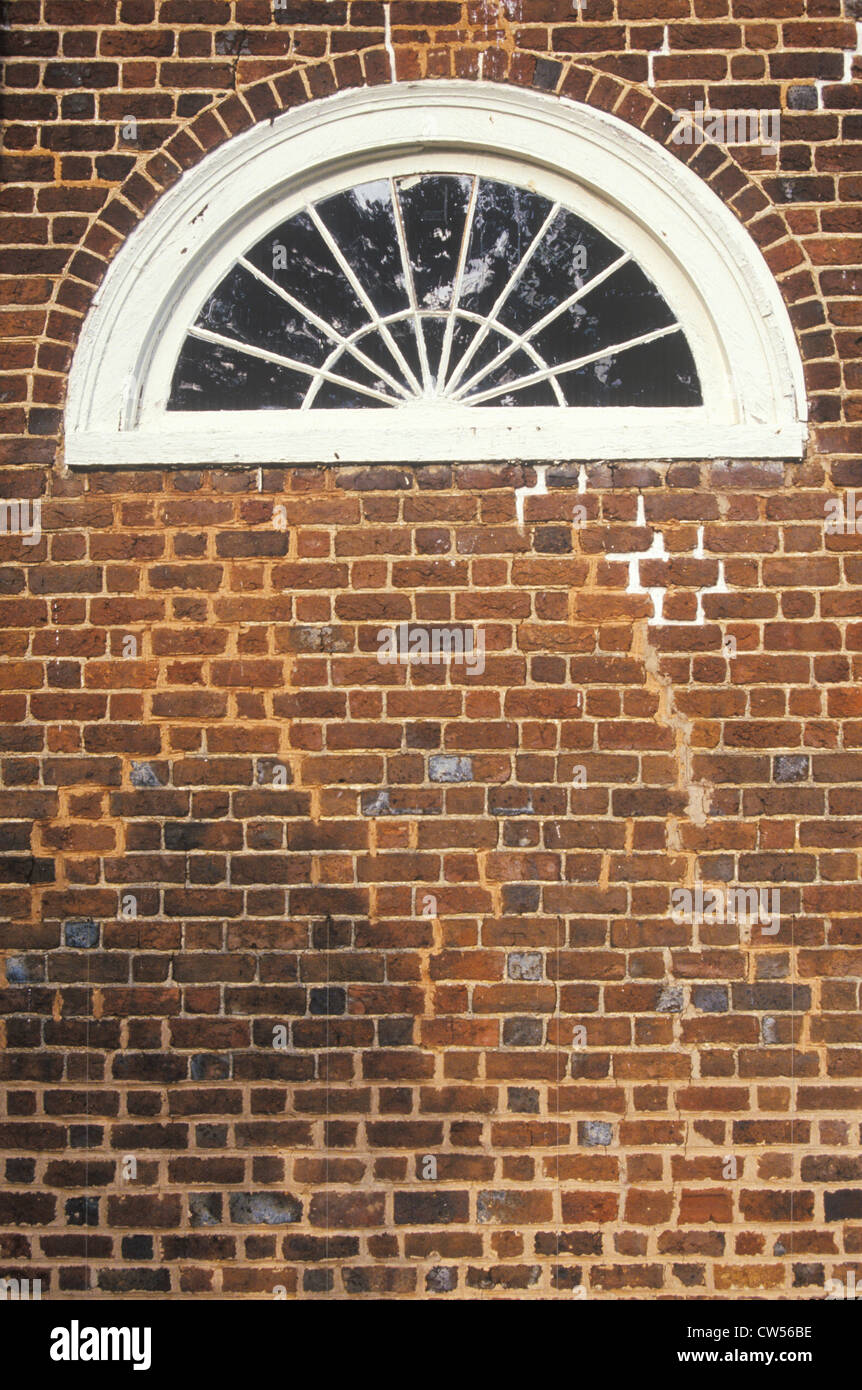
(20, 1169)
(522, 1032)
(82, 934)
(546, 75)
(802, 98)
(137, 1247)
(135, 1280)
(771, 996)
(205, 1208)
(82, 1211)
(843, 1205)
(791, 768)
(329, 1000)
(430, 1208)
(264, 1208)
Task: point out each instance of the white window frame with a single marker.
(703, 261)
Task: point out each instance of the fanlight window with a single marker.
(436, 271)
(437, 287)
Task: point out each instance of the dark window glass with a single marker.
(506, 222)
(434, 210)
(216, 378)
(434, 286)
(362, 222)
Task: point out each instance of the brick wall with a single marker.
(328, 980)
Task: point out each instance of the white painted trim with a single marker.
(350, 436)
(706, 265)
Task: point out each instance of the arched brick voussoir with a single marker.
(576, 80)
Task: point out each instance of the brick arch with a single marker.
(263, 100)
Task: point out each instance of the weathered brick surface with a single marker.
(326, 978)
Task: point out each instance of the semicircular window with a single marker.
(457, 289)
